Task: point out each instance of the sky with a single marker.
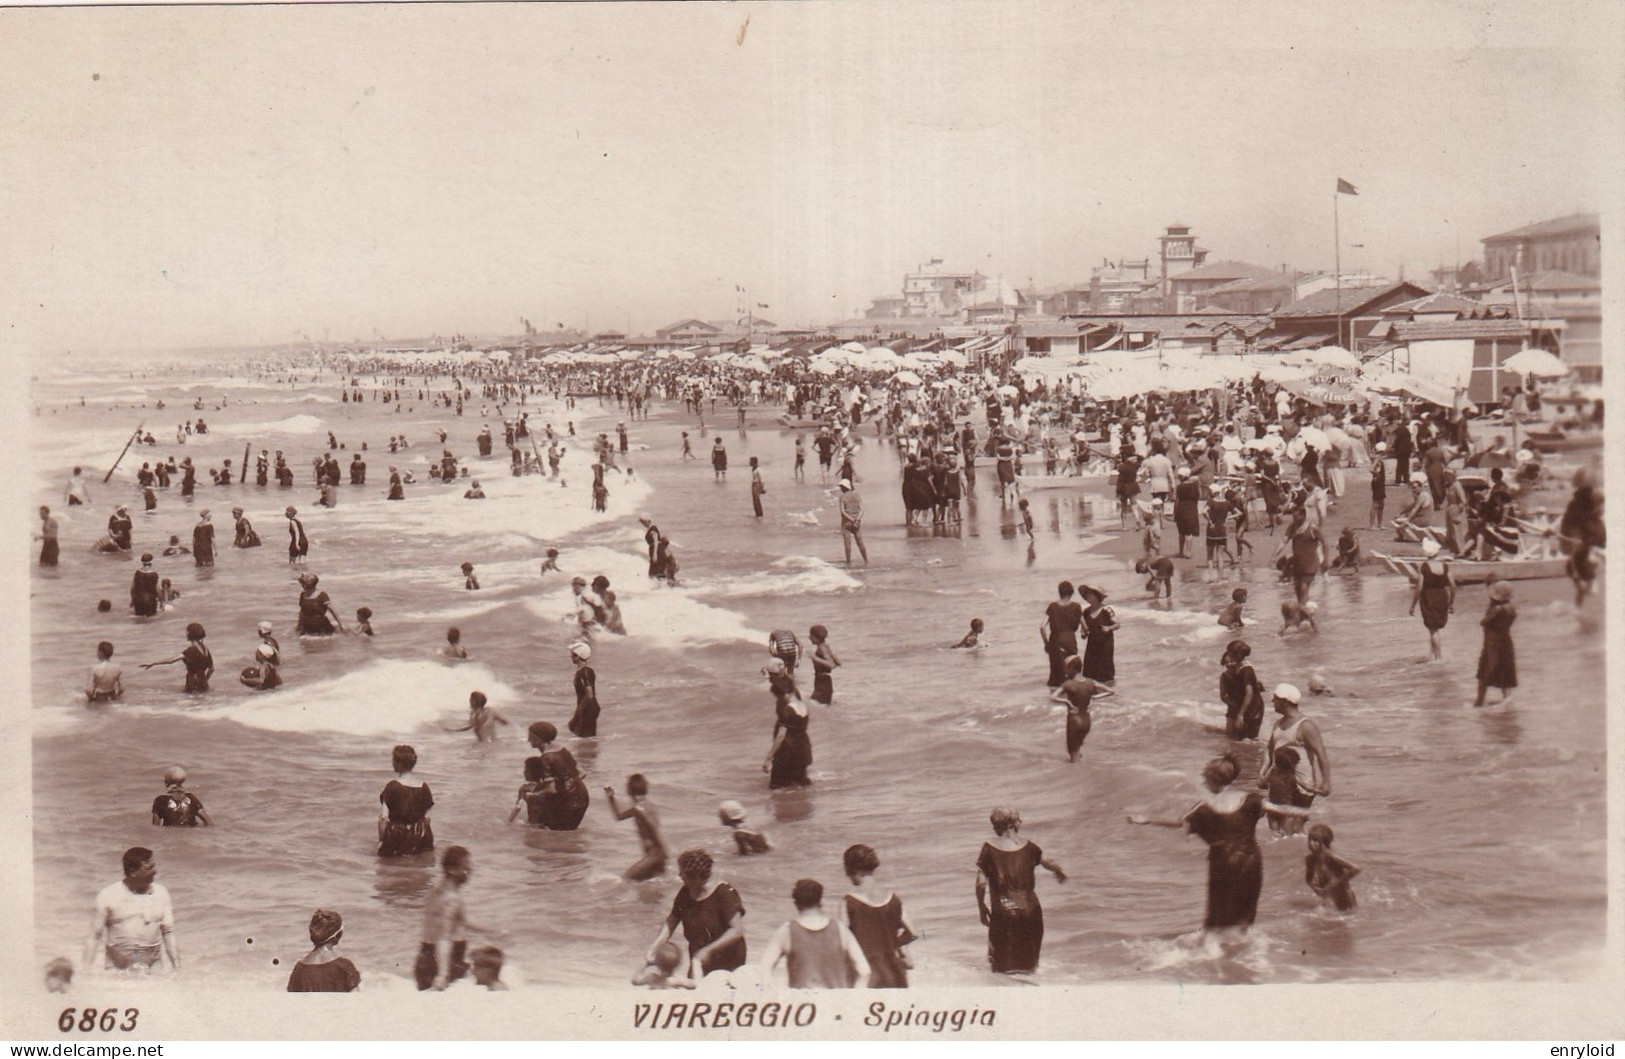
(195, 176)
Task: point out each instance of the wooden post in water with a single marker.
(106, 477)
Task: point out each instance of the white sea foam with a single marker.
(791, 575)
(302, 423)
(390, 699)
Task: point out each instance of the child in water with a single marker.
(1230, 616)
(470, 582)
(972, 639)
(551, 563)
(641, 812)
(1284, 788)
(1348, 550)
(1026, 518)
(487, 964)
(1160, 569)
(732, 815)
(1326, 873)
(454, 644)
(658, 974)
(1295, 617)
(482, 720)
(363, 621)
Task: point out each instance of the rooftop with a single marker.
(1225, 270)
(1345, 301)
(1421, 330)
(1441, 302)
(1573, 224)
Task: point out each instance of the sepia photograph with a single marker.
(1084, 517)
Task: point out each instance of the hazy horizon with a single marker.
(192, 177)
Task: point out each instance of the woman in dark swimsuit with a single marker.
(584, 722)
(298, 543)
(1241, 692)
(709, 913)
(203, 540)
(316, 614)
(197, 659)
(144, 589)
(1435, 590)
(564, 798)
(404, 804)
(1227, 820)
(1100, 623)
(875, 916)
(1005, 871)
(321, 970)
(245, 536)
(791, 752)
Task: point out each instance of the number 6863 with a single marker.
(88, 1020)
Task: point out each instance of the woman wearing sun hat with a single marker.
(1100, 628)
(1497, 665)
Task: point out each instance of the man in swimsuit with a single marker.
(134, 926)
(1293, 729)
(641, 811)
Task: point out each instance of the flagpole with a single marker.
(1337, 264)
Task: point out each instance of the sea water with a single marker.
(1480, 832)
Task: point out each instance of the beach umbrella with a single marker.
(954, 357)
(854, 347)
(907, 378)
(825, 366)
(1536, 362)
(1315, 438)
(1007, 391)
(1335, 358)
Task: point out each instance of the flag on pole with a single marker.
(1345, 188)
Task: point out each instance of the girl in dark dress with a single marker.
(791, 752)
(144, 589)
(564, 798)
(1077, 691)
(1497, 665)
(584, 722)
(403, 815)
(321, 970)
(874, 914)
(1227, 820)
(709, 913)
(1005, 871)
(1436, 591)
(1100, 624)
(197, 659)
